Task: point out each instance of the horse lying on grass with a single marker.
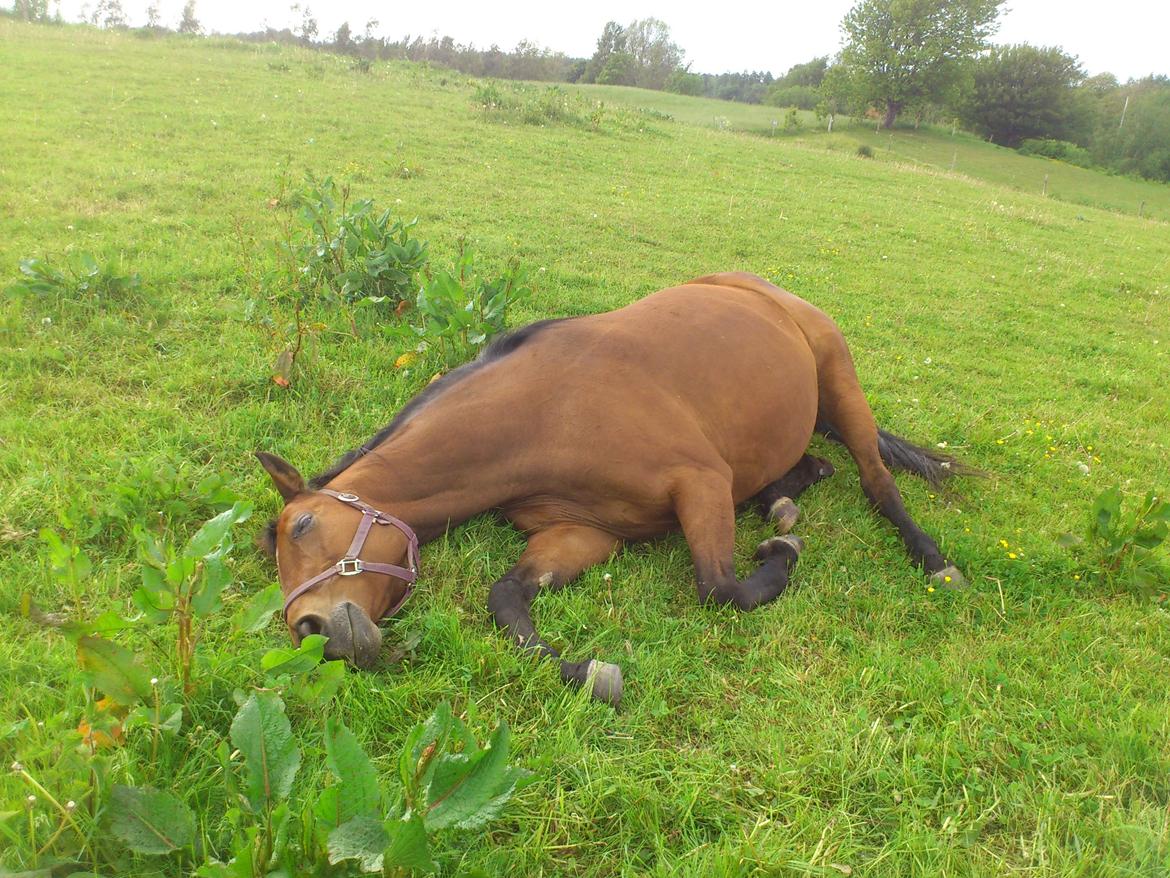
(587, 433)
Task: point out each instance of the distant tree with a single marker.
(684, 82)
(153, 17)
(307, 30)
(576, 70)
(109, 14)
(343, 40)
(1020, 92)
(655, 55)
(748, 87)
(803, 97)
(612, 40)
(840, 93)
(619, 70)
(189, 24)
(493, 62)
(371, 26)
(31, 10)
(1141, 143)
(809, 74)
(903, 53)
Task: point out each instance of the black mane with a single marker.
(499, 348)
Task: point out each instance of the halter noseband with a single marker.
(351, 564)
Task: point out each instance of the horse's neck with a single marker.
(431, 475)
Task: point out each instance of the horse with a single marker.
(588, 433)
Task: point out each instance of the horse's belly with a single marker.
(695, 378)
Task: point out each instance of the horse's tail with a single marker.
(927, 463)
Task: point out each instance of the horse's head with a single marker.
(342, 564)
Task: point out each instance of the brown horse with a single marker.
(588, 433)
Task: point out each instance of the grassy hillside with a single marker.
(930, 147)
(860, 725)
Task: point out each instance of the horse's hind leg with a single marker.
(554, 557)
(703, 504)
(777, 500)
(843, 407)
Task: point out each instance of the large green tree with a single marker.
(641, 54)
(611, 41)
(655, 55)
(903, 53)
(1023, 91)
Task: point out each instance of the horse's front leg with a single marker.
(703, 504)
(554, 557)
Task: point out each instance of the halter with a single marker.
(352, 565)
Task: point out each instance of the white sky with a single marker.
(1125, 37)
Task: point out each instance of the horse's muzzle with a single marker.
(353, 636)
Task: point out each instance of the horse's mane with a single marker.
(498, 349)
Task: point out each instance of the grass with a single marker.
(707, 112)
(858, 723)
(929, 147)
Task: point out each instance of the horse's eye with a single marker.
(302, 525)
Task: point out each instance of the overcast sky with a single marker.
(1128, 38)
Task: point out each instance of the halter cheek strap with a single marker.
(352, 564)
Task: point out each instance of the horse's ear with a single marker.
(288, 481)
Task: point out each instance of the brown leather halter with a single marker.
(352, 565)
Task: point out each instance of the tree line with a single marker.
(926, 60)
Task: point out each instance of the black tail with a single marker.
(899, 454)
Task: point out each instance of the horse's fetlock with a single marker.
(788, 544)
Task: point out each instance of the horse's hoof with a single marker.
(605, 680)
(785, 513)
(950, 577)
(776, 545)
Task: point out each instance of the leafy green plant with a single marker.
(333, 255)
(68, 562)
(487, 96)
(448, 782)
(461, 310)
(349, 252)
(1119, 542)
(1061, 150)
(82, 278)
(184, 584)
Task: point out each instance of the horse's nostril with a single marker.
(307, 625)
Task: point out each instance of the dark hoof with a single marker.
(789, 544)
(605, 682)
(950, 577)
(785, 513)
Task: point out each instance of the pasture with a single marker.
(859, 725)
(931, 147)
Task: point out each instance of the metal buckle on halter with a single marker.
(348, 497)
(349, 566)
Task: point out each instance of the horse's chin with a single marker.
(353, 636)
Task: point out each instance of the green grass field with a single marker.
(928, 147)
(860, 724)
